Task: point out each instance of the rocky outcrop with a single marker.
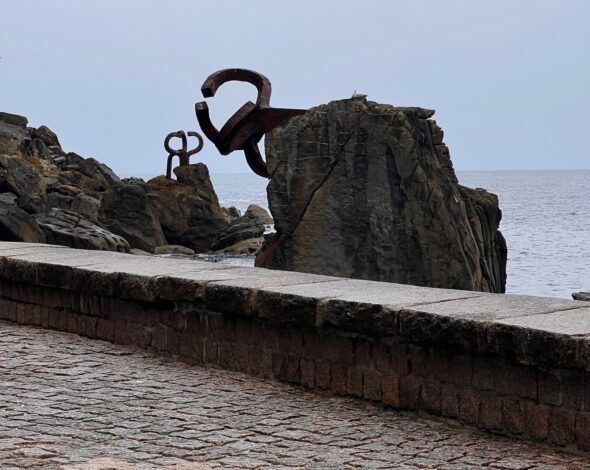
(365, 190)
(258, 213)
(187, 209)
(126, 210)
(68, 228)
(247, 227)
(77, 201)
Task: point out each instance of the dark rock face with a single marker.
(68, 228)
(126, 210)
(18, 225)
(187, 209)
(244, 228)
(364, 190)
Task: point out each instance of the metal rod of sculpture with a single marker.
(246, 127)
(182, 153)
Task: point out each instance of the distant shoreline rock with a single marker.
(49, 195)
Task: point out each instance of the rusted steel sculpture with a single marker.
(244, 129)
(182, 153)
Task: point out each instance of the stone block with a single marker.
(105, 329)
(490, 412)
(537, 420)
(322, 375)
(513, 416)
(354, 381)
(372, 384)
(561, 426)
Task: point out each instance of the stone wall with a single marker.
(515, 365)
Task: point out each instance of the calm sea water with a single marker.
(546, 222)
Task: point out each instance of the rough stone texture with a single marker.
(246, 227)
(17, 225)
(515, 365)
(250, 247)
(126, 210)
(18, 175)
(72, 403)
(68, 228)
(364, 190)
(187, 209)
(258, 213)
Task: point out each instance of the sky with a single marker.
(509, 80)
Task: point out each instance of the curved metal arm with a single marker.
(216, 79)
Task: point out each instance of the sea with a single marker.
(545, 220)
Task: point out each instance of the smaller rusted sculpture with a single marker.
(247, 126)
(182, 153)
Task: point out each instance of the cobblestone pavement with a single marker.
(68, 402)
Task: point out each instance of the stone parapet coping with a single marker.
(536, 331)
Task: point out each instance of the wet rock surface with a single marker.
(365, 190)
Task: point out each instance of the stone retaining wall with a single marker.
(516, 365)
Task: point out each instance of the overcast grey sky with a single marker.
(510, 80)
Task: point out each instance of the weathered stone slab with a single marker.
(494, 307)
(575, 322)
(372, 292)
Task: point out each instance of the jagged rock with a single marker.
(86, 174)
(188, 209)
(67, 228)
(14, 119)
(585, 296)
(46, 135)
(126, 210)
(19, 176)
(258, 213)
(245, 228)
(13, 139)
(365, 190)
(231, 213)
(173, 250)
(16, 225)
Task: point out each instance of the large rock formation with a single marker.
(365, 190)
(68, 228)
(63, 198)
(125, 209)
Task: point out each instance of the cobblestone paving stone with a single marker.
(73, 403)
